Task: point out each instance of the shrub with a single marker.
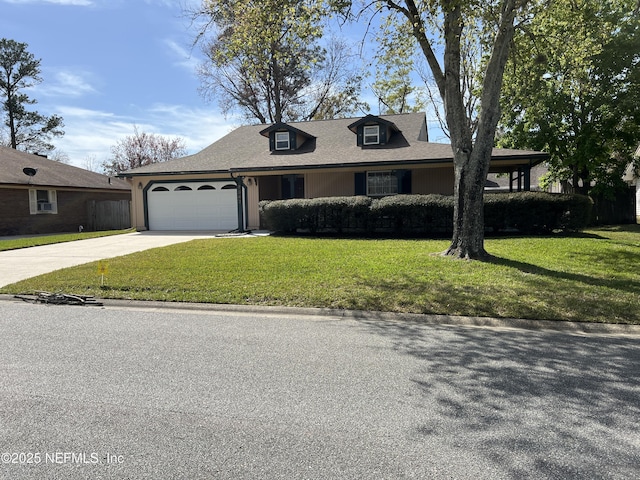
(413, 214)
(536, 212)
(523, 212)
(336, 214)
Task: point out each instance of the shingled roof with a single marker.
(331, 144)
(51, 173)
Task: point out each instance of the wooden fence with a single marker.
(108, 215)
(611, 211)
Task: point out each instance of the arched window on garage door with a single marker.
(182, 188)
(229, 186)
(160, 189)
(206, 187)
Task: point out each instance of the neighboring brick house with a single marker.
(38, 195)
(220, 187)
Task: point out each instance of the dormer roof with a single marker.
(372, 120)
(283, 138)
(282, 127)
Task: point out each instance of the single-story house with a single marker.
(220, 187)
(38, 195)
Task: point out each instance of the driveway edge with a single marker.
(451, 320)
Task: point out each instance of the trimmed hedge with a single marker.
(335, 214)
(523, 212)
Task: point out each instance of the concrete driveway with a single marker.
(17, 265)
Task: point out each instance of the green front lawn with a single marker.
(8, 243)
(591, 277)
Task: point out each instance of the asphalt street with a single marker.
(144, 393)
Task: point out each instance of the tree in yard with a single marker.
(394, 87)
(572, 88)
(142, 149)
(460, 27)
(28, 130)
(487, 27)
(265, 60)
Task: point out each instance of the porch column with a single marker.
(527, 178)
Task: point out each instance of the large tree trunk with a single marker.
(471, 160)
(468, 227)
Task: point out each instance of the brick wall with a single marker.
(15, 218)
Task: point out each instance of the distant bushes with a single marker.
(536, 212)
(424, 215)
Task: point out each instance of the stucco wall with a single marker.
(432, 180)
(331, 184)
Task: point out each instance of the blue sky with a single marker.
(108, 65)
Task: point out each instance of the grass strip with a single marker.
(591, 277)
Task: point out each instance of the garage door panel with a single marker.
(173, 207)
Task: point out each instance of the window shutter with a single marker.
(53, 200)
(360, 187)
(383, 134)
(404, 181)
(360, 135)
(272, 141)
(292, 140)
(33, 202)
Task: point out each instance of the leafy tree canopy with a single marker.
(395, 62)
(265, 59)
(572, 88)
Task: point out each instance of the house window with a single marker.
(382, 183)
(282, 141)
(42, 201)
(371, 134)
(292, 186)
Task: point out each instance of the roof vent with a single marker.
(30, 172)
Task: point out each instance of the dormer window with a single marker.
(373, 131)
(282, 141)
(371, 134)
(286, 138)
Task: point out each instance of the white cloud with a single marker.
(67, 83)
(200, 127)
(186, 59)
(92, 133)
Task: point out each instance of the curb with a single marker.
(445, 320)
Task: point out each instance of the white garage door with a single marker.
(193, 206)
